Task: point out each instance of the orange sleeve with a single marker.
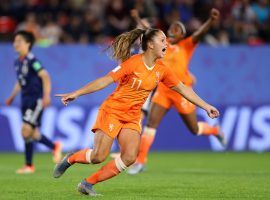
(121, 70)
(189, 46)
(188, 43)
(169, 79)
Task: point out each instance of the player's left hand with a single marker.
(214, 14)
(212, 112)
(46, 101)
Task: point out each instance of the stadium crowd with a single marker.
(98, 21)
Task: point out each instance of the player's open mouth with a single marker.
(164, 49)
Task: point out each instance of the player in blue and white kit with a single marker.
(34, 83)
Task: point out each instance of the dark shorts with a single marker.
(32, 113)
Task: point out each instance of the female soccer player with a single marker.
(120, 114)
(178, 56)
(34, 83)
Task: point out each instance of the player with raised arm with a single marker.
(178, 55)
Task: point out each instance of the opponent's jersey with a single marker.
(136, 81)
(178, 57)
(27, 69)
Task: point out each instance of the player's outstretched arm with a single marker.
(15, 91)
(46, 84)
(214, 16)
(140, 22)
(91, 87)
(190, 95)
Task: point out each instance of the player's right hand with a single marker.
(134, 13)
(214, 14)
(66, 98)
(9, 101)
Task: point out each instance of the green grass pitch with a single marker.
(172, 175)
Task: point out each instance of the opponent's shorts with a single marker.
(112, 126)
(167, 97)
(32, 112)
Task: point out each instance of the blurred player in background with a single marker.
(35, 86)
(178, 56)
(120, 114)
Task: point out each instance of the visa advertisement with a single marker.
(235, 79)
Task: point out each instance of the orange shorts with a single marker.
(167, 97)
(111, 126)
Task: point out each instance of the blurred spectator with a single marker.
(87, 21)
(244, 21)
(169, 18)
(73, 29)
(7, 27)
(53, 7)
(185, 8)
(262, 12)
(219, 33)
(62, 19)
(94, 26)
(96, 8)
(217, 37)
(51, 31)
(77, 4)
(30, 24)
(117, 17)
(146, 8)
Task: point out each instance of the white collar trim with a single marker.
(149, 68)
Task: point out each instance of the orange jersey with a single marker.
(136, 81)
(178, 57)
